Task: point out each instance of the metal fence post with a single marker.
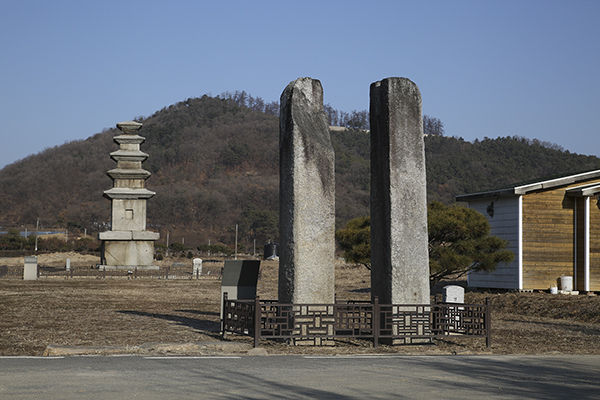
(223, 315)
(257, 313)
(375, 321)
(488, 323)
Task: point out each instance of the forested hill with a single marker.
(215, 163)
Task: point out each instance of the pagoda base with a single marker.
(127, 253)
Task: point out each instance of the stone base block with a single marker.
(128, 253)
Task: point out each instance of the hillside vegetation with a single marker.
(214, 162)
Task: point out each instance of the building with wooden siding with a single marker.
(552, 227)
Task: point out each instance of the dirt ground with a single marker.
(119, 312)
(54, 260)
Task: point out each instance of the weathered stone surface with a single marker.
(133, 253)
(399, 242)
(128, 193)
(128, 243)
(129, 139)
(115, 235)
(145, 235)
(306, 196)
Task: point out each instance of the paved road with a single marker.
(297, 377)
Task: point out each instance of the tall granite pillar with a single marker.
(128, 243)
(399, 242)
(306, 196)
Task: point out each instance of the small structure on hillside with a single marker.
(552, 227)
(128, 243)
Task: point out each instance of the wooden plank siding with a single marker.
(504, 224)
(594, 245)
(579, 279)
(549, 236)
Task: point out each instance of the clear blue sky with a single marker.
(69, 69)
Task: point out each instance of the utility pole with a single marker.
(167, 252)
(236, 233)
(209, 247)
(254, 248)
(37, 228)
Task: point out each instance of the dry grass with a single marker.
(105, 313)
(119, 312)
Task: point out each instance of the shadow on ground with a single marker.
(214, 313)
(204, 326)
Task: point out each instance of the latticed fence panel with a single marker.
(316, 320)
(320, 323)
(354, 320)
(277, 320)
(407, 323)
(465, 319)
(238, 317)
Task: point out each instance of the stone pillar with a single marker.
(128, 243)
(306, 196)
(399, 241)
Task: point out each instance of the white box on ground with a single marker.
(566, 283)
(30, 268)
(453, 294)
(197, 266)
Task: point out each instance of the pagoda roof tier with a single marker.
(129, 126)
(121, 173)
(128, 155)
(128, 193)
(129, 139)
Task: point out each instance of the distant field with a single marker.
(118, 312)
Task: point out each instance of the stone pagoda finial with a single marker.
(129, 126)
(128, 243)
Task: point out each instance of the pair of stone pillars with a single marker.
(399, 242)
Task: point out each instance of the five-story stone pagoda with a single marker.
(128, 244)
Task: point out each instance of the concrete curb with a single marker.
(199, 348)
(225, 348)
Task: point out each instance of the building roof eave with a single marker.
(524, 189)
(486, 195)
(584, 190)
